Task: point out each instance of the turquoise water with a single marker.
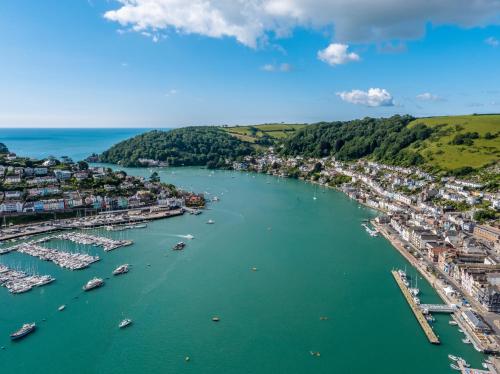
(313, 258)
(75, 143)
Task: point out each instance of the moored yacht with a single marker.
(122, 269)
(27, 328)
(93, 283)
(124, 323)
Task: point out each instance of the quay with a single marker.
(72, 261)
(416, 310)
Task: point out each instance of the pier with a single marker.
(438, 308)
(416, 310)
(72, 261)
(86, 239)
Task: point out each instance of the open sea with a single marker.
(313, 259)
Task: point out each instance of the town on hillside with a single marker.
(49, 189)
(446, 226)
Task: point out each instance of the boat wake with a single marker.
(188, 236)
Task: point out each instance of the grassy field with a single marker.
(253, 133)
(438, 150)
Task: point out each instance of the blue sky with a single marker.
(166, 63)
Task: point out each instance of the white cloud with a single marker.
(374, 97)
(172, 92)
(494, 42)
(427, 96)
(251, 21)
(284, 68)
(336, 54)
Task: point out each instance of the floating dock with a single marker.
(416, 310)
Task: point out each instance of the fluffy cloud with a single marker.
(374, 97)
(249, 21)
(284, 67)
(336, 54)
(494, 42)
(427, 96)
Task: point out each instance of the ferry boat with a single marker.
(27, 328)
(124, 323)
(93, 283)
(179, 246)
(122, 269)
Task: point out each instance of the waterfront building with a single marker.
(487, 233)
(475, 321)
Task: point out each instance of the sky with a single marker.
(172, 63)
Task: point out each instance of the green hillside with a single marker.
(258, 133)
(460, 141)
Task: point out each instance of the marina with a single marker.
(86, 239)
(19, 282)
(67, 260)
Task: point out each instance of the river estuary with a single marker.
(312, 257)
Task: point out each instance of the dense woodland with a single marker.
(384, 139)
(188, 146)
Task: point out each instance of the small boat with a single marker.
(466, 341)
(93, 283)
(122, 269)
(124, 323)
(484, 365)
(210, 222)
(453, 358)
(464, 363)
(453, 323)
(189, 236)
(27, 329)
(179, 246)
(454, 367)
(61, 308)
(460, 330)
(215, 319)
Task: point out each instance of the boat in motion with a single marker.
(26, 329)
(179, 246)
(93, 283)
(122, 269)
(124, 323)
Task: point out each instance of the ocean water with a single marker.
(75, 143)
(313, 259)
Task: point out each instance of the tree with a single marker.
(154, 178)
(82, 165)
(484, 215)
